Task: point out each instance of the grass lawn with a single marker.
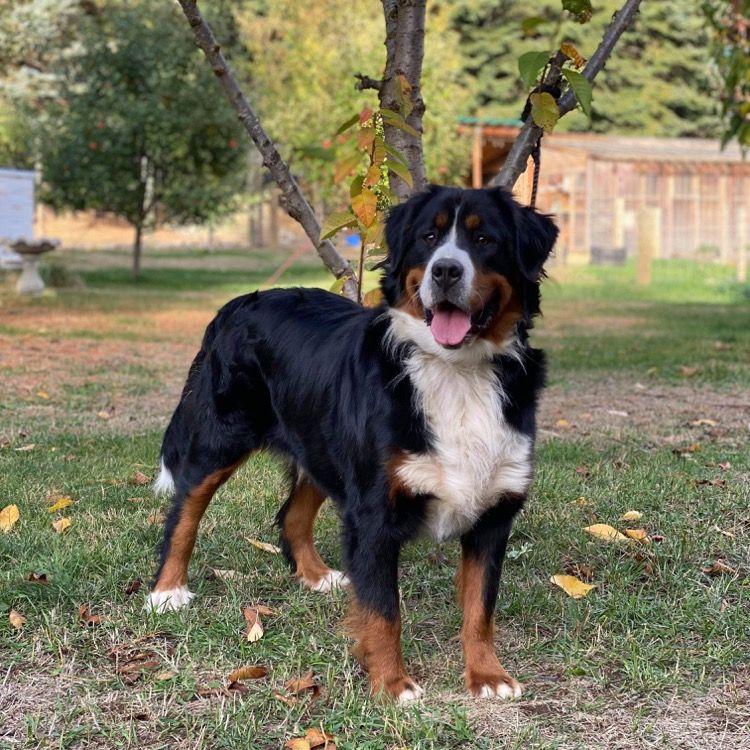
(648, 409)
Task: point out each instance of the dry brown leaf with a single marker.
(710, 482)
(9, 516)
(703, 423)
(103, 415)
(63, 502)
(265, 546)
(582, 501)
(688, 372)
(86, 618)
(719, 568)
(16, 619)
(631, 515)
(694, 448)
(262, 609)
(724, 465)
(639, 535)
(164, 676)
(254, 628)
(724, 606)
(583, 471)
(25, 448)
(156, 518)
(572, 586)
(319, 739)
(134, 586)
(306, 684)
(562, 424)
(139, 478)
(285, 699)
(297, 743)
(61, 524)
(40, 578)
(250, 672)
(224, 575)
(605, 533)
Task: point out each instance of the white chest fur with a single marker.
(476, 455)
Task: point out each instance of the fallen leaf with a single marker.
(298, 743)
(688, 372)
(729, 534)
(724, 465)
(232, 690)
(139, 478)
(639, 535)
(605, 533)
(285, 699)
(103, 415)
(40, 578)
(437, 558)
(224, 575)
(710, 482)
(719, 568)
(25, 448)
(318, 739)
(703, 423)
(61, 524)
(86, 618)
(631, 515)
(16, 619)
(694, 448)
(562, 424)
(164, 676)
(9, 516)
(723, 346)
(134, 586)
(254, 628)
(305, 684)
(724, 606)
(265, 546)
(42, 394)
(582, 501)
(572, 586)
(63, 502)
(157, 517)
(583, 471)
(250, 672)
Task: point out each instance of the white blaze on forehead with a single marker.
(448, 250)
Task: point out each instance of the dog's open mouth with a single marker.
(451, 326)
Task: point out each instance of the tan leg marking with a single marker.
(484, 675)
(298, 532)
(173, 574)
(378, 649)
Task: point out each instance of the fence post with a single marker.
(618, 223)
(741, 245)
(649, 236)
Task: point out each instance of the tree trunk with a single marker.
(404, 44)
(137, 245)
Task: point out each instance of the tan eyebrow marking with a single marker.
(472, 221)
(441, 220)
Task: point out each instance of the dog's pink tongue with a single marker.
(449, 327)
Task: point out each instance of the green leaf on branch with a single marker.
(356, 187)
(529, 66)
(379, 151)
(336, 222)
(374, 236)
(365, 137)
(581, 88)
(373, 175)
(347, 124)
(365, 206)
(544, 111)
(402, 171)
(403, 95)
(581, 10)
(338, 285)
(394, 153)
(395, 120)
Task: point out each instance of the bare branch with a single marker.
(365, 82)
(296, 203)
(404, 43)
(515, 163)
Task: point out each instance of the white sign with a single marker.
(16, 211)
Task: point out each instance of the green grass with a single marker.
(655, 627)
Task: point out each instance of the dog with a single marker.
(416, 417)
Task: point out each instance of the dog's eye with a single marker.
(482, 239)
(430, 237)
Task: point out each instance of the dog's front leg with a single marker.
(375, 620)
(478, 580)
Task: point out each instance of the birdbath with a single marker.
(30, 282)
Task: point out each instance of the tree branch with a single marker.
(515, 163)
(296, 204)
(404, 44)
(365, 82)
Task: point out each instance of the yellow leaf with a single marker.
(365, 206)
(298, 743)
(572, 586)
(544, 110)
(631, 515)
(254, 632)
(60, 525)
(582, 501)
(9, 516)
(265, 546)
(42, 394)
(373, 298)
(703, 423)
(63, 502)
(562, 423)
(16, 619)
(605, 533)
(639, 535)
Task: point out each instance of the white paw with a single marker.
(168, 600)
(502, 690)
(410, 695)
(334, 579)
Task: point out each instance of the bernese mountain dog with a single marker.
(416, 417)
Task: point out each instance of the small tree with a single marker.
(138, 128)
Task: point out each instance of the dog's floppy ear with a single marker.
(535, 237)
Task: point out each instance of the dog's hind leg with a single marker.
(295, 519)
(194, 493)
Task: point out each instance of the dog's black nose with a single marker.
(446, 272)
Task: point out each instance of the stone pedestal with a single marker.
(30, 282)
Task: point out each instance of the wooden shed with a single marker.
(595, 185)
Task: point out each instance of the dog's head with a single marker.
(467, 262)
